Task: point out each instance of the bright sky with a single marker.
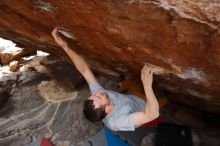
(10, 46)
(6, 43)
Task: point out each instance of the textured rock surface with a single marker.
(63, 72)
(118, 37)
(26, 116)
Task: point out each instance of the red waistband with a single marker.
(152, 124)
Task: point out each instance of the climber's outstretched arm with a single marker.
(78, 61)
(151, 111)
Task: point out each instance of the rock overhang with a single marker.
(119, 37)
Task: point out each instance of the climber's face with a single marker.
(100, 99)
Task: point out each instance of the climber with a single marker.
(119, 112)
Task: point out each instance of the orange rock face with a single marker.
(119, 37)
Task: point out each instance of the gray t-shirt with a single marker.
(121, 118)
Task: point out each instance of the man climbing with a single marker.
(119, 112)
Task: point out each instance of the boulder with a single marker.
(14, 66)
(6, 58)
(119, 37)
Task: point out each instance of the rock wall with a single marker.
(119, 37)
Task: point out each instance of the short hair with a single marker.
(91, 113)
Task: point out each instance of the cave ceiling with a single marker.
(117, 37)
